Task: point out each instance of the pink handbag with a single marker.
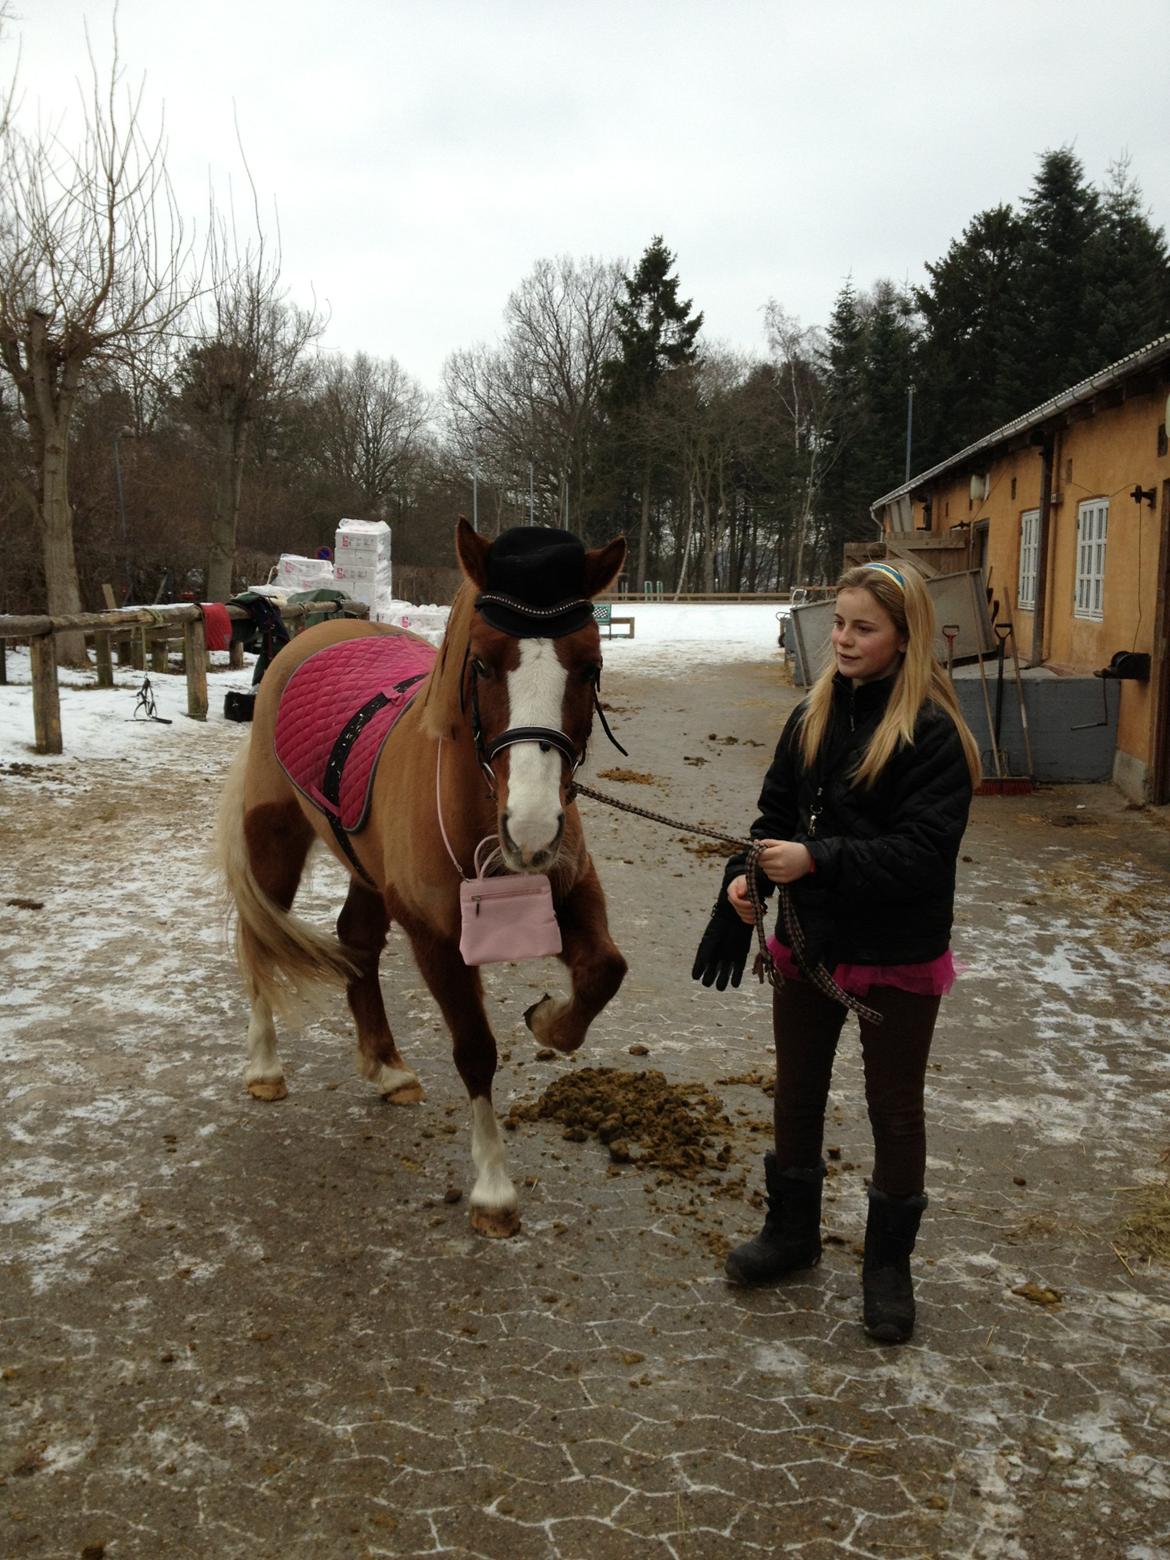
(506, 919)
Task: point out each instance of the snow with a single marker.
(107, 723)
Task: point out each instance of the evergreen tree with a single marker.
(1051, 343)
(889, 354)
(966, 312)
(845, 490)
(1132, 281)
(868, 368)
(657, 334)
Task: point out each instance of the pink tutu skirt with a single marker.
(932, 979)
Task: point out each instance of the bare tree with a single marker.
(369, 418)
(92, 260)
(250, 354)
(803, 410)
(535, 398)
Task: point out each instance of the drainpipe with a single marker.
(1048, 454)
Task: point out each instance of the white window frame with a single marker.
(1092, 536)
(1029, 556)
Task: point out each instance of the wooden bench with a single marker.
(603, 615)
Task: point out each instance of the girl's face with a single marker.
(866, 640)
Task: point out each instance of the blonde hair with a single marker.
(919, 680)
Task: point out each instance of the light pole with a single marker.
(122, 433)
(530, 521)
(909, 425)
(475, 479)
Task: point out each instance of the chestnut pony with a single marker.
(532, 681)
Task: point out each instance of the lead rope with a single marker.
(765, 965)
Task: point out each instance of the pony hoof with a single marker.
(529, 1013)
(544, 1020)
(405, 1094)
(496, 1223)
(268, 1089)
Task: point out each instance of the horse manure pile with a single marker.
(673, 1124)
(628, 776)
(705, 848)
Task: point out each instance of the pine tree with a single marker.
(868, 368)
(1050, 344)
(845, 491)
(966, 313)
(657, 333)
(1132, 271)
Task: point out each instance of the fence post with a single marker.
(104, 660)
(46, 694)
(159, 646)
(195, 658)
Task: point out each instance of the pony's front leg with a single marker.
(459, 992)
(596, 968)
(362, 927)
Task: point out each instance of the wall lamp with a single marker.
(1140, 495)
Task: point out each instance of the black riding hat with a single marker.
(535, 584)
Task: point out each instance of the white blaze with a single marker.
(536, 696)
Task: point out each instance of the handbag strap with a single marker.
(439, 807)
(479, 870)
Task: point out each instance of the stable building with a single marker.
(1066, 511)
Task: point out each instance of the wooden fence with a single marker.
(150, 630)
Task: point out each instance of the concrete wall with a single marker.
(1072, 723)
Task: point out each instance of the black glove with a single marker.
(723, 949)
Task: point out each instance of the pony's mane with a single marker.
(441, 714)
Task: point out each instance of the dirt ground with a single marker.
(231, 1329)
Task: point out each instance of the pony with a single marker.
(487, 745)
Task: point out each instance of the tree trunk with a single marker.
(62, 587)
(229, 478)
(644, 529)
(686, 547)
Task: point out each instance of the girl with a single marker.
(861, 815)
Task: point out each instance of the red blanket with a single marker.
(335, 714)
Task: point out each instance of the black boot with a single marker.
(791, 1236)
(886, 1286)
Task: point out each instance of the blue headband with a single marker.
(888, 569)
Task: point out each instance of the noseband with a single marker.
(525, 622)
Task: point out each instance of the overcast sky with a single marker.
(423, 154)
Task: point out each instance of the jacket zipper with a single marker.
(814, 812)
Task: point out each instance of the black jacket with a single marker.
(883, 891)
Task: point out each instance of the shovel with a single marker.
(950, 632)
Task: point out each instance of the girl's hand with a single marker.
(737, 898)
(783, 861)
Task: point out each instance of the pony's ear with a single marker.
(471, 549)
(603, 565)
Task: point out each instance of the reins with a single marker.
(545, 620)
(765, 964)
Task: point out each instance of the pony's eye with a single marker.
(481, 668)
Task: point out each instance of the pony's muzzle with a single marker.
(528, 858)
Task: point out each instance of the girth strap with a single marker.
(335, 765)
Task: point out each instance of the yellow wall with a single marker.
(1101, 456)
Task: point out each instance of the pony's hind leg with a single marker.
(459, 993)
(362, 927)
(277, 839)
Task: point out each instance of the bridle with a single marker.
(536, 623)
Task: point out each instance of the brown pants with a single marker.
(807, 1027)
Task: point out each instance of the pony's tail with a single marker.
(284, 960)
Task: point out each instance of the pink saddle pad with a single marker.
(335, 714)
